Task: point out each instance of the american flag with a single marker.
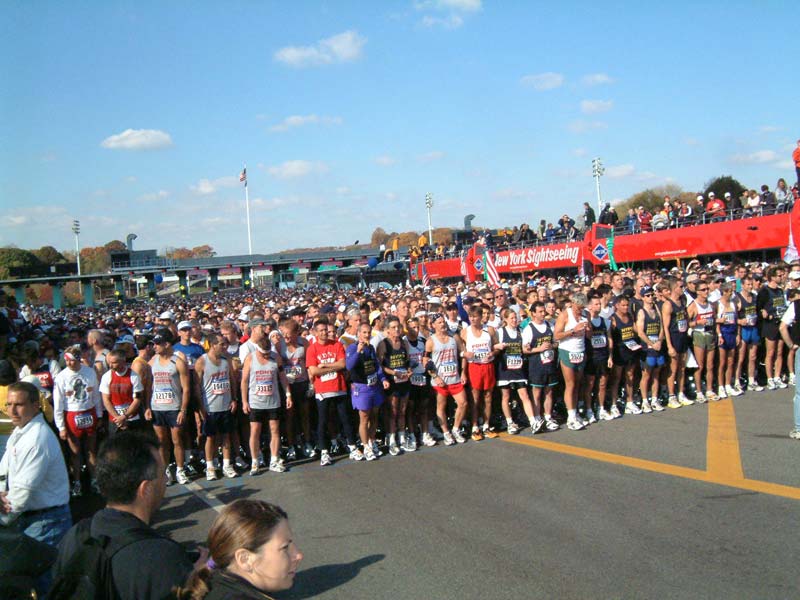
(463, 263)
(426, 281)
(243, 176)
(489, 270)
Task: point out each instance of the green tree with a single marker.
(651, 198)
(722, 184)
(15, 257)
(49, 255)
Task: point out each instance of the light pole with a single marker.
(429, 206)
(597, 172)
(76, 229)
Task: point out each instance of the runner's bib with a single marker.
(599, 341)
(218, 388)
(293, 372)
(263, 389)
(632, 345)
(576, 358)
(400, 375)
(547, 356)
(448, 370)
(163, 396)
(372, 379)
(418, 379)
(84, 420)
(513, 362)
(328, 376)
(683, 325)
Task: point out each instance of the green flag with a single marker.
(610, 245)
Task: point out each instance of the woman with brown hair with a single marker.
(251, 553)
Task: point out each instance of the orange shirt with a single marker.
(796, 157)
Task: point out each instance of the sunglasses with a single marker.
(704, 289)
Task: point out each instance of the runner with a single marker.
(704, 341)
(729, 339)
(420, 396)
(214, 374)
(747, 315)
(297, 376)
(448, 376)
(169, 402)
(123, 394)
(511, 372)
(598, 361)
(570, 333)
(537, 342)
(771, 304)
(479, 351)
(368, 382)
(625, 355)
(77, 411)
(262, 372)
(394, 357)
(651, 334)
(675, 321)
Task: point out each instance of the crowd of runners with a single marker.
(250, 381)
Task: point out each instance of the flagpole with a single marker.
(247, 206)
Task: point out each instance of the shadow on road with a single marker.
(317, 580)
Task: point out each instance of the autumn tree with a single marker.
(379, 236)
(204, 251)
(651, 198)
(48, 255)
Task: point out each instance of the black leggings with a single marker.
(341, 403)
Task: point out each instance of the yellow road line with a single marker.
(764, 487)
(722, 444)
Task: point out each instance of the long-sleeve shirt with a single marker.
(76, 391)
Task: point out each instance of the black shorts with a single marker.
(219, 422)
(539, 379)
(513, 385)
(625, 359)
(596, 367)
(770, 330)
(166, 418)
(262, 415)
(680, 342)
(401, 390)
(420, 392)
(138, 425)
(299, 391)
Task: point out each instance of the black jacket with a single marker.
(144, 570)
(227, 586)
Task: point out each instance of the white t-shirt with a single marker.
(105, 381)
(788, 316)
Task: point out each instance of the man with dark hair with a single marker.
(131, 476)
(34, 491)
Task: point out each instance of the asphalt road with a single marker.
(561, 515)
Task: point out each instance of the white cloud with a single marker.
(15, 220)
(301, 120)
(431, 156)
(597, 79)
(205, 187)
(385, 161)
(543, 81)
(460, 5)
(449, 22)
(293, 169)
(138, 139)
(340, 48)
(592, 107)
(579, 152)
(153, 196)
(769, 129)
(755, 158)
(580, 126)
(620, 171)
(784, 164)
(269, 203)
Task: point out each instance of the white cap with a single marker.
(167, 314)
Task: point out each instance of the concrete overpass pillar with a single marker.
(19, 294)
(58, 296)
(246, 278)
(88, 293)
(213, 275)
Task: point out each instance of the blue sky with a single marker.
(137, 117)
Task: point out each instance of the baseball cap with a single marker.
(692, 278)
(700, 197)
(711, 194)
(184, 325)
(727, 194)
(374, 315)
(645, 290)
(162, 335)
(794, 275)
(125, 339)
(167, 315)
(257, 322)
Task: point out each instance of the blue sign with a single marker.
(478, 264)
(600, 252)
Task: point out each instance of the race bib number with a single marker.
(372, 379)
(328, 376)
(599, 341)
(400, 375)
(513, 362)
(576, 358)
(752, 320)
(121, 409)
(729, 318)
(632, 345)
(264, 389)
(218, 388)
(653, 338)
(293, 372)
(163, 397)
(418, 379)
(547, 356)
(84, 421)
(448, 370)
(481, 357)
(683, 325)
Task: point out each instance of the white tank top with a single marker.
(572, 344)
(481, 345)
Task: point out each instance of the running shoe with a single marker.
(672, 402)
(181, 476)
(411, 443)
(436, 434)
(394, 450)
(427, 440)
(229, 472)
(700, 398)
(513, 428)
(261, 462)
(754, 387)
(335, 446)
(684, 400)
(477, 436)
(376, 449)
(448, 438)
(291, 453)
(211, 474)
(780, 383)
(722, 393)
(355, 454)
(551, 424)
(575, 424)
(77, 490)
(309, 450)
(712, 397)
(326, 460)
(771, 385)
(792, 379)
(656, 405)
(583, 420)
(491, 433)
(604, 415)
(732, 391)
(240, 463)
(795, 434)
(537, 425)
(170, 477)
(590, 416)
(276, 466)
(632, 409)
(369, 453)
(646, 406)
(615, 411)
(458, 436)
(255, 469)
